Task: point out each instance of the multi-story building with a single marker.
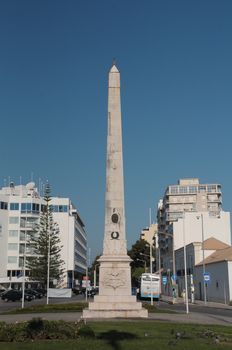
(20, 208)
(190, 212)
(149, 234)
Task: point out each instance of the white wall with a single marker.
(230, 279)
(220, 287)
(218, 228)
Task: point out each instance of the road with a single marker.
(202, 309)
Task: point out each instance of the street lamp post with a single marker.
(24, 272)
(203, 257)
(185, 267)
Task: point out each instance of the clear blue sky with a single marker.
(175, 59)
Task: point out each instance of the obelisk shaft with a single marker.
(115, 298)
(114, 236)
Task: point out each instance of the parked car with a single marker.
(13, 295)
(2, 291)
(34, 293)
(41, 291)
(76, 290)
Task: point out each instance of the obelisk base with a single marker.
(115, 299)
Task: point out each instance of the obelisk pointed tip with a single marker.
(114, 69)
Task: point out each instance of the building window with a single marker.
(12, 246)
(174, 189)
(26, 207)
(12, 259)
(59, 208)
(13, 233)
(3, 205)
(183, 189)
(192, 189)
(202, 188)
(13, 220)
(14, 206)
(35, 207)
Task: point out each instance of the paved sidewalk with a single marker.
(169, 299)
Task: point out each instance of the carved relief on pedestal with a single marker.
(114, 279)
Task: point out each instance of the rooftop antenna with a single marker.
(149, 216)
(20, 180)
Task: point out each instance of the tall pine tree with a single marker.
(45, 235)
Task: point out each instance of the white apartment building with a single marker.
(149, 234)
(20, 208)
(190, 212)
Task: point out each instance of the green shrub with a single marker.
(12, 332)
(86, 331)
(38, 329)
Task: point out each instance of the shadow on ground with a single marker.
(113, 338)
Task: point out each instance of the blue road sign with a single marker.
(174, 278)
(164, 279)
(206, 277)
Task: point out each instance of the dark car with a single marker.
(34, 293)
(76, 290)
(13, 295)
(41, 291)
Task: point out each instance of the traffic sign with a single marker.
(164, 279)
(206, 277)
(174, 278)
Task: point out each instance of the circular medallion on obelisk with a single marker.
(114, 218)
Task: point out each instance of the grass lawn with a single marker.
(139, 335)
(66, 307)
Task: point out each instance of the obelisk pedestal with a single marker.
(115, 298)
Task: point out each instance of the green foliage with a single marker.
(51, 308)
(136, 253)
(45, 239)
(136, 273)
(86, 331)
(94, 266)
(123, 334)
(140, 255)
(42, 329)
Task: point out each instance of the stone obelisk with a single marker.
(114, 299)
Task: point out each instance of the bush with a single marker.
(42, 329)
(86, 331)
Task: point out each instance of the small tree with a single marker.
(46, 235)
(140, 255)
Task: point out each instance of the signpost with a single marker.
(164, 280)
(206, 277)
